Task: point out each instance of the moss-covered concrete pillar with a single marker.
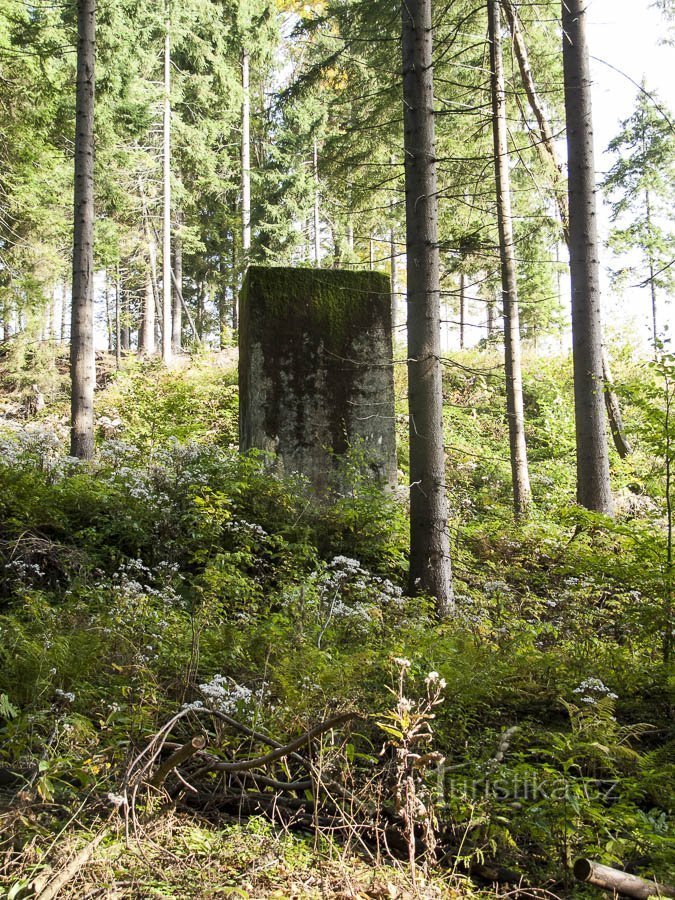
(315, 370)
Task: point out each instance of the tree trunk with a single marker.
(118, 323)
(64, 311)
(393, 267)
(126, 317)
(7, 321)
(393, 264)
(462, 309)
(623, 447)
(147, 336)
(430, 569)
(652, 285)
(593, 484)
(166, 227)
(546, 144)
(177, 308)
(317, 216)
(235, 286)
(221, 294)
(245, 160)
(522, 495)
(490, 318)
(82, 360)
(108, 313)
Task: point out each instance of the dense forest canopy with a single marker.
(444, 669)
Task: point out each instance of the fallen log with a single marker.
(621, 882)
(181, 755)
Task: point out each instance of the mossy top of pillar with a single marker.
(335, 303)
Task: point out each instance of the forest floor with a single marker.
(173, 590)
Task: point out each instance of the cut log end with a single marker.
(619, 882)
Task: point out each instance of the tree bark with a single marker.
(462, 309)
(621, 442)
(522, 495)
(245, 160)
(235, 286)
(652, 284)
(82, 360)
(593, 484)
(430, 569)
(317, 209)
(177, 308)
(125, 338)
(64, 311)
(546, 145)
(118, 324)
(166, 227)
(548, 152)
(147, 335)
(108, 312)
(393, 265)
(490, 318)
(619, 882)
(7, 321)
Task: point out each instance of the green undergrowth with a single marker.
(131, 584)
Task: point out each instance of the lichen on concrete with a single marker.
(315, 369)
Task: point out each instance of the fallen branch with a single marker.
(69, 871)
(181, 755)
(284, 750)
(621, 882)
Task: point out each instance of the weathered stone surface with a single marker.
(315, 370)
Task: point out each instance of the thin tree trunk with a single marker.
(118, 324)
(317, 215)
(108, 312)
(166, 228)
(199, 319)
(621, 442)
(235, 286)
(82, 360)
(546, 146)
(593, 484)
(393, 261)
(462, 309)
(350, 237)
(652, 285)
(177, 309)
(221, 294)
(186, 311)
(64, 311)
(371, 253)
(522, 495)
(245, 160)
(52, 317)
(430, 569)
(490, 318)
(6, 321)
(126, 317)
(146, 344)
(393, 273)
